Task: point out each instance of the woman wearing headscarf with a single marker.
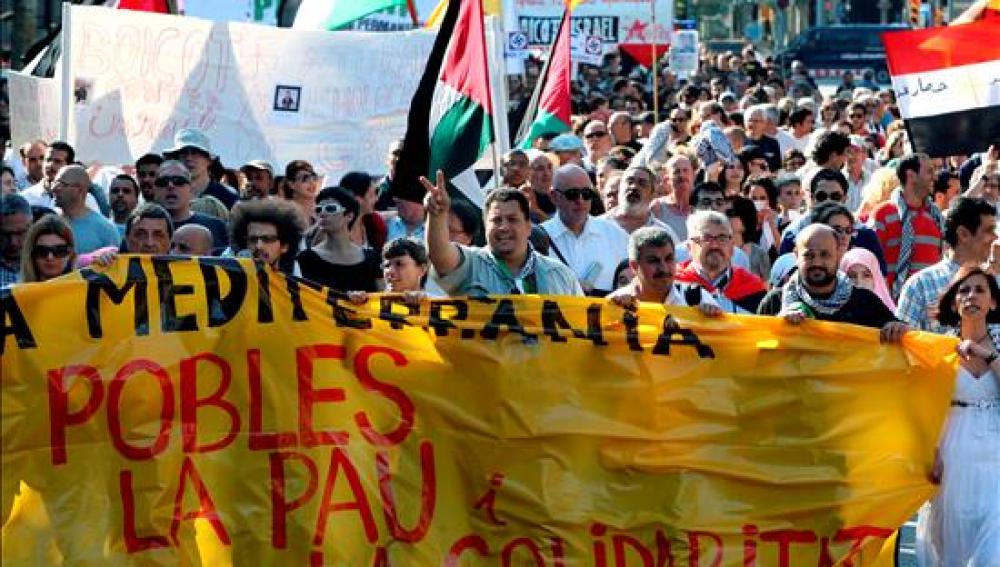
(861, 266)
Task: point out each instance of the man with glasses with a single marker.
(856, 171)
(57, 156)
(15, 219)
(651, 257)
(192, 148)
(829, 186)
(709, 196)
(173, 191)
(598, 143)
(270, 230)
(711, 246)
(590, 246)
(680, 133)
(91, 230)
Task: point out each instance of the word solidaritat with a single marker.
(212, 411)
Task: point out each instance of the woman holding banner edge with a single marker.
(961, 525)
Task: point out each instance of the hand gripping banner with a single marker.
(208, 411)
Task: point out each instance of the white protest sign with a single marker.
(684, 53)
(587, 49)
(614, 21)
(335, 99)
(34, 108)
(515, 51)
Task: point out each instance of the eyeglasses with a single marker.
(57, 251)
(574, 193)
(678, 119)
(595, 135)
(848, 231)
(821, 196)
(710, 239)
(328, 209)
(175, 180)
(710, 202)
(306, 178)
(759, 163)
(262, 238)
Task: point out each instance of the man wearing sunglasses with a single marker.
(597, 140)
(830, 186)
(91, 230)
(172, 190)
(193, 149)
(588, 245)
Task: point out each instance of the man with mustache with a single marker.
(710, 238)
(635, 194)
(819, 291)
(651, 257)
(506, 265)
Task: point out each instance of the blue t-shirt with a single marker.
(92, 232)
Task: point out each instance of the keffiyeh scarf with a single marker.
(795, 297)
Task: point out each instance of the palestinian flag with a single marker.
(450, 123)
(554, 105)
(340, 14)
(947, 83)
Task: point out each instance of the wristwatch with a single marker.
(991, 358)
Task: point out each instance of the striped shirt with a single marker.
(889, 229)
(921, 292)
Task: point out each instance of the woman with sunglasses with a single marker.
(961, 525)
(336, 261)
(300, 186)
(48, 250)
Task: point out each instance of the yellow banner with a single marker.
(207, 411)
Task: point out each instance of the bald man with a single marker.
(91, 231)
(622, 134)
(592, 247)
(818, 290)
(191, 240)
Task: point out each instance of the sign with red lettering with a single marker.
(212, 411)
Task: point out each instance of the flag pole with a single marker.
(525, 126)
(656, 83)
(65, 100)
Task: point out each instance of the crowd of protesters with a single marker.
(737, 190)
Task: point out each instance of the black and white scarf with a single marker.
(794, 296)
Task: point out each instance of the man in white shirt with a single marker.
(590, 246)
(651, 257)
(57, 156)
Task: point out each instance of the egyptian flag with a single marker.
(555, 103)
(160, 6)
(947, 83)
(450, 121)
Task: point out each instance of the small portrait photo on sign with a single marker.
(82, 87)
(286, 98)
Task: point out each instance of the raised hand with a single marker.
(437, 202)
